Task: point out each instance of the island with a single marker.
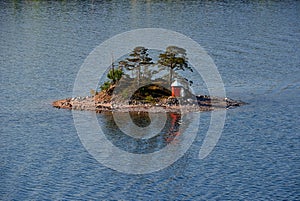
(137, 83)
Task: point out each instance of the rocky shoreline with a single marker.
(200, 104)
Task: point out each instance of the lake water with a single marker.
(256, 47)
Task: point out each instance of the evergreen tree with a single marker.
(138, 58)
(175, 59)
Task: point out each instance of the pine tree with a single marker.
(175, 59)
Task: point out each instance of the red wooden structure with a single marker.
(176, 88)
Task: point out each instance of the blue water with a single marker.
(256, 47)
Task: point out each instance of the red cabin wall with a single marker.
(176, 91)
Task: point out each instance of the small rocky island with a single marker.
(139, 84)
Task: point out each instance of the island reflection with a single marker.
(168, 134)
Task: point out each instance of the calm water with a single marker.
(256, 47)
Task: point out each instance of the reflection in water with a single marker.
(174, 128)
(140, 119)
(167, 135)
(256, 46)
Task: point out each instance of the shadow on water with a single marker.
(141, 119)
(167, 135)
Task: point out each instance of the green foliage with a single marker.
(140, 56)
(149, 99)
(115, 75)
(105, 85)
(137, 60)
(174, 58)
(142, 68)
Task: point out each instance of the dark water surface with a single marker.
(256, 47)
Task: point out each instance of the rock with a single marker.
(171, 104)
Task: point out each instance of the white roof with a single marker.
(176, 84)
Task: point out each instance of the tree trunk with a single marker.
(170, 75)
(139, 76)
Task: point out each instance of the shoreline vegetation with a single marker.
(99, 103)
(137, 84)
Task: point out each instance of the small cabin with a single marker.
(177, 89)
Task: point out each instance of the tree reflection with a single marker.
(168, 135)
